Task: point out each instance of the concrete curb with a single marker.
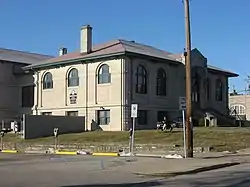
(172, 156)
(194, 171)
(114, 154)
(35, 152)
(105, 154)
(61, 152)
(9, 151)
(65, 153)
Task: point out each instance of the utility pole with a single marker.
(188, 82)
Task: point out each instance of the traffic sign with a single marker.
(134, 108)
(182, 103)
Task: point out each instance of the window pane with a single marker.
(161, 115)
(73, 73)
(219, 90)
(105, 78)
(72, 113)
(47, 81)
(104, 75)
(102, 121)
(142, 117)
(102, 114)
(73, 81)
(47, 113)
(141, 80)
(105, 69)
(107, 120)
(107, 114)
(208, 89)
(103, 117)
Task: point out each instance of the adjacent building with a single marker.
(16, 87)
(101, 82)
(239, 106)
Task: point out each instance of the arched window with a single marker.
(141, 80)
(47, 81)
(238, 109)
(161, 83)
(73, 79)
(104, 75)
(208, 89)
(218, 90)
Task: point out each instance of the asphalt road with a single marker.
(80, 171)
(237, 176)
(63, 171)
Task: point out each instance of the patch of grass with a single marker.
(220, 139)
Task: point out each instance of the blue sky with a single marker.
(220, 28)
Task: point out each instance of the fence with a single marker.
(36, 126)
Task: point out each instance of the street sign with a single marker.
(182, 107)
(182, 103)
(55, 132)
(134, 108)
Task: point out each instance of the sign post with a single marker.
(2, 135)
(55, 135)
(182, 107)
(134, 108)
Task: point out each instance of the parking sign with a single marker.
(134, 108)
(182, 103)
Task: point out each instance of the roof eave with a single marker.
(61, 63)
(153, 58)
(228, 74)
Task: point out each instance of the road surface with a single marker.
(80, 171)
(236, 176)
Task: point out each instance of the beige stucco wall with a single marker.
(90, 95)
(120, 93)
(221, 106)
(241, 100)
(198, 60)
(10, 86)
(150, 101)
(116, 96)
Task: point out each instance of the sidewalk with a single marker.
(142, 165)
(155, 165)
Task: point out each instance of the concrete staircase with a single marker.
(222, 119)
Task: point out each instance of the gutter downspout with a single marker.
(87, 97)
(96, 82)
(130, 90)
(66, 90)
(131, 80)
(37, 91)
(123, 89)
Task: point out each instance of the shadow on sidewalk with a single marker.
(138, 184)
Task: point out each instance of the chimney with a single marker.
(86, 39)
(62, 51)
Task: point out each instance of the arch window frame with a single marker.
(103, 74)
(239, 108)
(161, 82)
(141, 80)
(219, 90)
(208, 89)
(73, 78)
(47, 81)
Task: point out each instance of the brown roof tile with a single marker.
(115, 47)
(22, 56)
